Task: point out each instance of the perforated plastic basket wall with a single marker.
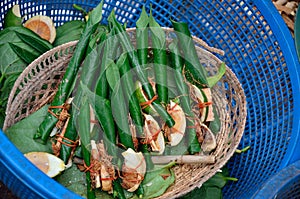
(259, 49)
(284, 185)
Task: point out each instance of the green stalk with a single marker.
(97, 38)
(109, 53)
(185, 101)
(119, 107)
(84, 133)
(80, 9)
(67, 83)
(134, 106)
(103, 112)
(194, 71)
(129, 93)
(160, 59)
(142, 38)
(90, 69)
(133, 58)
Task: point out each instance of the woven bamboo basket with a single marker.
(37, 85)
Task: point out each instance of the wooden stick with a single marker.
(184, 159)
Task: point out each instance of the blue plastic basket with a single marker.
(260, 50)
(284, 185)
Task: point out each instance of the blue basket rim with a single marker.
(282, 178)
(284, 37)
(33, 180)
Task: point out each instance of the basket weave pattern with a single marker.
(37, 85)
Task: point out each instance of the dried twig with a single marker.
(184, 159)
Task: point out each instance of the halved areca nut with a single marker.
(204, 100)
(96, 158)
(107, 172)
(176, 133)
(160, 141)
(153, 134)
(133, 169)
(43, 26)
(209, 142)
(46, 162)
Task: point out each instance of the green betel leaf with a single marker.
(217, 180)
(142, 37)
(24, 54)
(69, 31)
(21, 133)
(159, 37)
(205, 192)
(214, 79)
(212, 188)
(83, 123)
(112, 75)
(158, 180)
(18, 48)
(143, 21)
(121, 110)
(36, 43)
(104, 114)
(10, 62)
(215, 125)
(195, 72)
(84, 131)
(95, 15)
(74, 180)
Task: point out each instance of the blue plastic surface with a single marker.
(24, 179)
(284, 185)
(259, 49)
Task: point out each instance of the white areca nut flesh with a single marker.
(176, 133)
(46, 162)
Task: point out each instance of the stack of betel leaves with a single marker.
(21, 43)
(130, 106)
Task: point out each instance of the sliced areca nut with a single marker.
(204, 100)
(144, 101)
(133, 169)
(106, 179)
(46, 162)
(95, 157)
(43, 26)
(153, 134)
(160, 142)
(209, 140)
(107, 172)
(176, 133)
